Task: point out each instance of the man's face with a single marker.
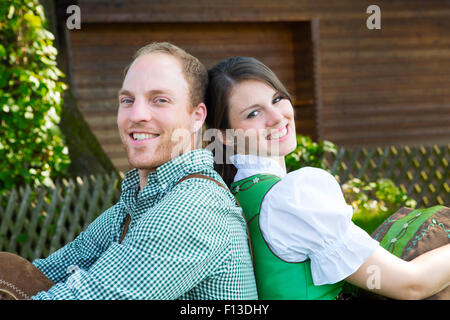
(154, 102)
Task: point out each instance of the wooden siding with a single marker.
(371, 87)
(390, 87)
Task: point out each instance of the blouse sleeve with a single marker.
(305, 216)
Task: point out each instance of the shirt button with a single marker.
(164, 186)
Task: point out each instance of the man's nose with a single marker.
(140, 111)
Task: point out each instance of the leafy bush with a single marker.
(309, 153)
(373, 202)
(31, 145)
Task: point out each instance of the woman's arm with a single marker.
(385, 274)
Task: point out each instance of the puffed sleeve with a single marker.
(305, 216)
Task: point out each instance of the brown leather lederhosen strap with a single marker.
(126, 224)
(127, 219)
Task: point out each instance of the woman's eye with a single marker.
(277, 99)
(253, 114)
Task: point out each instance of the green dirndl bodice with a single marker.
(276, 279)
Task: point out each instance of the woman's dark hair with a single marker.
(222, 78)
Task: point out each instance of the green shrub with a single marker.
(373, 202)
(32, 148)
(309, 154)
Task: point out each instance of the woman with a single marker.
(303, 240)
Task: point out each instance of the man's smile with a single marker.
(143, 136)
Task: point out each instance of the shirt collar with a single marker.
(169, 173)
(248, 165)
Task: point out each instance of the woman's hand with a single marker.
(385, 274)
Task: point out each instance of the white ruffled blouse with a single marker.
(305, 216)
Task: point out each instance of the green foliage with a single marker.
(32, 148)
(373, 202)
(309, 153)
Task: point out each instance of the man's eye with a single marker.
(126, 101)
(253, 114)
(161, 100)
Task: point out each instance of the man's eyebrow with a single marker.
(126, 92)
(160, 91)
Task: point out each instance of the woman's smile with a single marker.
(279, 135)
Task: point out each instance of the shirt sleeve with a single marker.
(305, 216)
(164, 255)
(83, 251)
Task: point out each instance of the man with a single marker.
(185, 240)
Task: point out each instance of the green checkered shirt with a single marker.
(185, 241)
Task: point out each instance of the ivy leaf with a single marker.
(31, 149)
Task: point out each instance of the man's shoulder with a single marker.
(207, 184)
(111, 216)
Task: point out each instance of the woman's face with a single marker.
(264, 118)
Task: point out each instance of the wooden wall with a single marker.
(360, 87)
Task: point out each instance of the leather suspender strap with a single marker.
(196, 175)
(125, 227)
(127, 219)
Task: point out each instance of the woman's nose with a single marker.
(274, 116)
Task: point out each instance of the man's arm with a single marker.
(82, 252)
(167, 253)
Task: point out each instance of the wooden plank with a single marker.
(397, 81)
(6, 218)
(388, 42)
(112, 186)
(205, 11)
(19, 220)
(391, 109)
(32, 230)
(79, 210)
(63, 215)
(50, 211)
(385, 94)
(94, 210)
(365, 56)
(382, 68)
